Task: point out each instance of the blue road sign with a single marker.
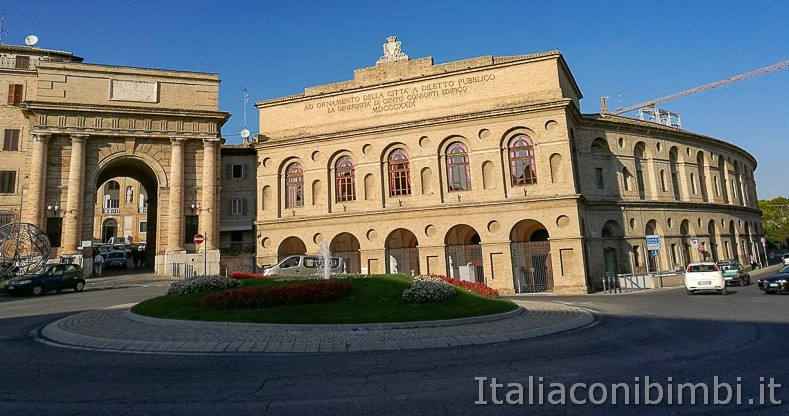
(653, 253)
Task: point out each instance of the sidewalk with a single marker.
(117, 329)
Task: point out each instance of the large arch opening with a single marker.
(402, 252)
(530, 252)
(291, 246)
(713, 249)
(346, 245)
(464, 254)
(125, 194)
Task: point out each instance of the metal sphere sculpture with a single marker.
(23, 248)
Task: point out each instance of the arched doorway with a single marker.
(651, 229)
(402, 252)
(530, 251)
(611, 235)
(464, 254)
(290, 246)
(346, 245)
(610, 262)
(109, 229)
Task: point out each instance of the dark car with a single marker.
(775, 283)
(50, 277)
(734, 273)
(116, 259)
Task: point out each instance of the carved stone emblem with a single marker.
(392, 51)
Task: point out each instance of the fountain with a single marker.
(324, 263)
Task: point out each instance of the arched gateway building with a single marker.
(485, 169)
(70, 128)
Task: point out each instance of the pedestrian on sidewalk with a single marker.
(98, 264)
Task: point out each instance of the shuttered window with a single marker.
(15, 93)
(11, 140)
(7, 182)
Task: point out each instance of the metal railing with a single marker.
(631, 282)
(189, 270)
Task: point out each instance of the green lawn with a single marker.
(373, 299)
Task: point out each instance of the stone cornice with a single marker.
(441, 208)
(669, 205)
(90, 109)
(342, 134)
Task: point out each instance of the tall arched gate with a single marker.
(158, 127)
(464, 254)
(530, 253)
(402, 252)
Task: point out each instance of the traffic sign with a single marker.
(653, 242)
(653, 253)
(199, 239)
(694, 242)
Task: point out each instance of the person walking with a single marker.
(98, 264)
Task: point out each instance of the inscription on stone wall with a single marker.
(138, 91)
(399, 98)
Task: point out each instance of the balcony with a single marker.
(14, 63)
(111, 211)
(142, 210)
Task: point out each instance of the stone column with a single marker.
(72, 219)
(175, 214)
(208, 209)
(33, 209)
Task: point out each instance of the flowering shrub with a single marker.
(261, 297)
(474, 287)
(201, 284)
(245, 275)
(426, 289)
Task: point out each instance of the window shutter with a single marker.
(14, 139)
(11, 91)
(7, 139)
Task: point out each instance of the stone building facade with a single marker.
(85, 124)
(121, 210)
(484, 169)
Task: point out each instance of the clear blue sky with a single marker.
(630, 51)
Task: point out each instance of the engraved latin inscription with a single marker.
(138, 91)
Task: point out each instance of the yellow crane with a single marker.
(651, 104)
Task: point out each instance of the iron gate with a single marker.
(353, 261)
(402, 260)
(531, 266)
(465, 255)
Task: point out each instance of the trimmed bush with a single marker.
(261, 297)
(202, 284)
(473, 287)
(426, 289)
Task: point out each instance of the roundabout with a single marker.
(118, 329)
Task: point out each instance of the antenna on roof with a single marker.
(244, 131)
(3, 30)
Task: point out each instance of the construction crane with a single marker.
(666, 117)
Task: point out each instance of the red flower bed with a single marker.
(474, 287)
(257, 297)
(245, 275)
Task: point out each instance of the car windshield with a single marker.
(115, 254)
(784, 269)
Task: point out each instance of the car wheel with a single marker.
(38, 290)
(689, 292)
(724, 291)
(79, 286)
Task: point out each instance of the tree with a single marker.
(775, 213)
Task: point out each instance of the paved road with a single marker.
(665, 335)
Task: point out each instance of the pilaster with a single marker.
(175, 213)
(33, 211)
(72, 219)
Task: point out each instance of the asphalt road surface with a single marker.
(647, 343)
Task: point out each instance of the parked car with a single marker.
(49, 277)
(775, 283)
(785, 259)
(104, 249)
(116, 259)
(705, 276)
(734, 273)
(302, 265)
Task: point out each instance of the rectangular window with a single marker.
(236, 236)
(7, 182)
(11, 140)
(143, 227)
(15, 93)
(238, 206)
(599, 176)
(190, 228)
(22, 62)
(237, 172)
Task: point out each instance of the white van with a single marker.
(302, 265)
(704, 276)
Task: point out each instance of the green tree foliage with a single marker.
(775, 221)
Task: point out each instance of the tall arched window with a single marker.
(399, 173)
(344, 178)
(522, 169)
(294, 181)
(457, 168)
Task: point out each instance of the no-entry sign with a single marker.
(199, 239)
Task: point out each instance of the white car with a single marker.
(703, 277)
(785, 259)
